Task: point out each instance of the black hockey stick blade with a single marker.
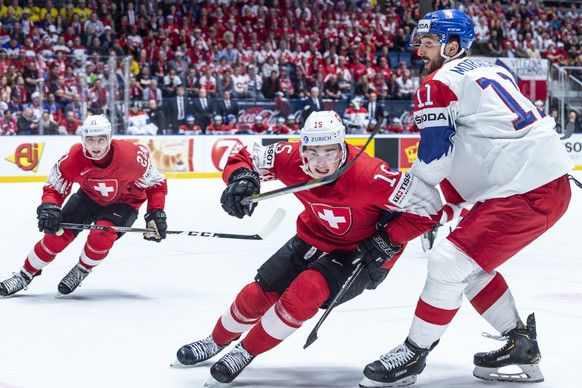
(274, 222)
(312, 337)
(312, 183)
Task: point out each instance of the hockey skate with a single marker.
(521, 350)
(73, 279)
(231, 364)
(397, 368)
(196, 352)
(427, 240)
(19, 281)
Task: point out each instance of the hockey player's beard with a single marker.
(433, 65)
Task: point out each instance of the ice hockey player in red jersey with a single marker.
(115, 177)
(337, 229)
(485, 143)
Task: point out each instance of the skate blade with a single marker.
(517, 373)
(406, 381)
(177, 364)
(213, 383)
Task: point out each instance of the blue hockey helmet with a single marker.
(445, 23)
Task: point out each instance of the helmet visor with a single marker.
(416, 39)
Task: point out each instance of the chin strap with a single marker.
(446, 57)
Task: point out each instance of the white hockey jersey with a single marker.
(482, 134)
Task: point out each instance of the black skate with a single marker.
(521, 350)
(231, 364)
(196, 352)
(397, 368)
(73, 279)
(427, 240)
(19, 281)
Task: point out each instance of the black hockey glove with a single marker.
(375, 250)
(49, 217)
(156, 219)
(241, 183)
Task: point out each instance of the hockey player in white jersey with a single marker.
(484, 143)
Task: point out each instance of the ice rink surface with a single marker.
(123, 327)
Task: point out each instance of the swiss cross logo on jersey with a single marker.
(336, 219)
(105, 189)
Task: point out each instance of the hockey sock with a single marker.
(250, 304)
(490, 296)
(97, 246)
(46, 250)
(298, 303)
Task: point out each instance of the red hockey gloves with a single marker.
(49, 218)
(156, 219)
(376, 250)
(241, 183)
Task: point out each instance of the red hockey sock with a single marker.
(250, 304)
(46, 250)
(298, 303)
(97, 246)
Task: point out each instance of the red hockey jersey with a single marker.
(341, 215)
(129, 178)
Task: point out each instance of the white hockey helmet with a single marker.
(323, 128)
(96, 125)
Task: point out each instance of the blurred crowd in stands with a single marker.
(189, 64)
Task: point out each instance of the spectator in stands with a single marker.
(271, 85)
(48, 125)
(153, 92)
(226, 105)
(31, 77)
(171, 82)
(406, 86)
(98, 97)
(224, 82)
(331, 88)
(135, 89)
(255, 83)
(179, 107)
(15, 105)
(27, 125)
(180, 64)
(8, 124)
(53, 107)
(313, 103)
(208, 82)
(286, 86)
(375, 110)
(158, 117)
(240, 83)
(532, 50)
(363, 88)
(69, 125)
(203, 109)
(191, 83)
(61, 91)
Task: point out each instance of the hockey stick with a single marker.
(275, 221)
(385, 217)
(313, 335)
(312, 183)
